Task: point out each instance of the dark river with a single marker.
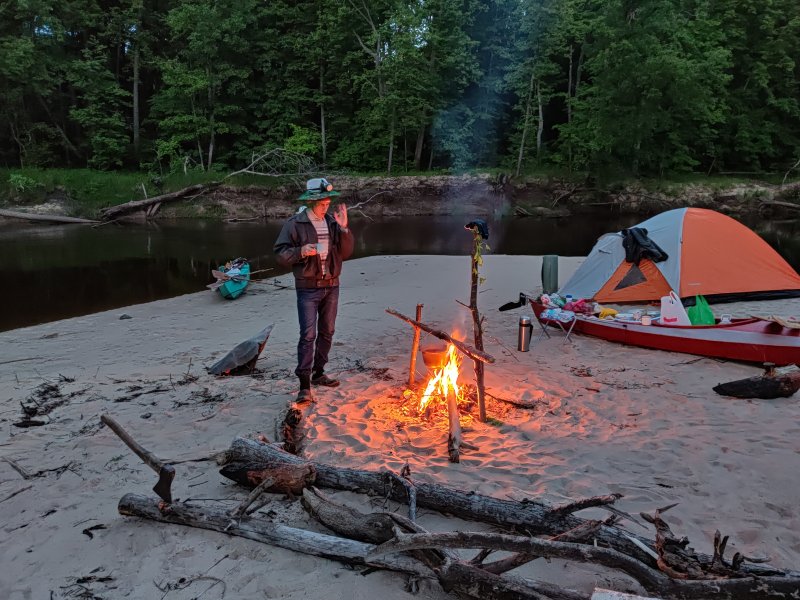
(57, 271)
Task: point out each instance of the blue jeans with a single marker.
(316, 309)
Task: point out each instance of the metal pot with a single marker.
(434, 357)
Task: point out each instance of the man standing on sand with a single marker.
(314, 244)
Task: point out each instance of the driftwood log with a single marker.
(765, 387)
(12, 214)
(460, 578)
(246, 458)
(392, 542)
(113, 212)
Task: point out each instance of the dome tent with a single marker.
(708, 253)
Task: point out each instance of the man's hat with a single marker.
(317, 189)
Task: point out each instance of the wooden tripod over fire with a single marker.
(454, 441)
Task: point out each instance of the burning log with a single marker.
(473, 353)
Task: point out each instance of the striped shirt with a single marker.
(323, 236)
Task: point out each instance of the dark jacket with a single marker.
(299, 231)
(638, 245)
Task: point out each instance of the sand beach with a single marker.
(605, 418)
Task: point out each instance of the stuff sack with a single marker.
(701, 313)
(672, 311)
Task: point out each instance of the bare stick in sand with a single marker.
(414, 348)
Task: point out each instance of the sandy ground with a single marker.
(607, 418)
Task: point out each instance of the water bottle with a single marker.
(524, 334)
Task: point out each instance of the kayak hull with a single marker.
(748, 340)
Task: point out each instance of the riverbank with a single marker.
(478, 194)
(605, 419)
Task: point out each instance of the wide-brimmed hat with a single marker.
(317, 189)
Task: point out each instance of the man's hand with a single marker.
(340, 214)
(308, 250)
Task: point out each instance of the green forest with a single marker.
(641, 87)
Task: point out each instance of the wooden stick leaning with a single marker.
(477, 323)
(414, 347)
(473, 353)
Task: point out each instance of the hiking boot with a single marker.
(305, 395)
(323, 379)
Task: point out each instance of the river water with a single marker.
(53, 272)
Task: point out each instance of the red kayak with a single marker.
(749, 340)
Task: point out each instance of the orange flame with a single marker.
(444, 380)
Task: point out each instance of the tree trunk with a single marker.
(418, 149)
(391, 143)
(211, 139)
(136, 133)
(322, 116)
(525, 126)
(540, 128)
(569, 108)
(19, 143)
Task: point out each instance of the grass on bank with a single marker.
(83, 192)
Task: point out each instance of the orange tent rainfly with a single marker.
(706, 252)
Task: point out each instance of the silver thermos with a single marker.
(524, 334)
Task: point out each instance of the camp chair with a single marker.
(566, 328)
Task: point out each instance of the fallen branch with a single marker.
(113, 212)
(266, 532)
(789, 205)
(355, 206)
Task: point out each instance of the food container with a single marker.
(647, 320)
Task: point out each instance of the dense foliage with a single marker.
(634, 86)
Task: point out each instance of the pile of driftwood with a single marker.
(666, 566)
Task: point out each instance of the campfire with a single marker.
(443, 382)
(444, 362)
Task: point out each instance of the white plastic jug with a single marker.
(672, 311)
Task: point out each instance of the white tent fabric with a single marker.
(665, 229)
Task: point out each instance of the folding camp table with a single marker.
(565, 327)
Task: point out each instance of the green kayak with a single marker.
(233, 278)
